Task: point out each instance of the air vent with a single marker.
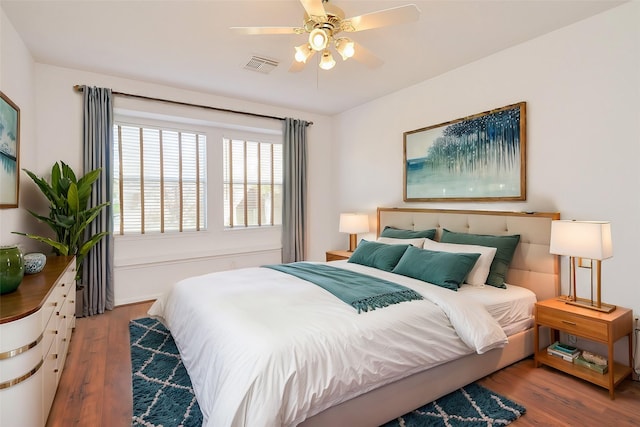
(260, 64)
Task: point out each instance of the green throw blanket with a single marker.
(362, 292)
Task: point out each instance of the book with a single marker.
(564, 348)
(581, 361)
(564, 356)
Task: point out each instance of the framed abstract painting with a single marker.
(476, 158)
(9, 152)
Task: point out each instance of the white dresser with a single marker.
(36, 323)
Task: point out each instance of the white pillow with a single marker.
(394, 241)
(478, 274)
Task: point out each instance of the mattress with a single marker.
(266, 348)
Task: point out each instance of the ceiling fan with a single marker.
(325, 22)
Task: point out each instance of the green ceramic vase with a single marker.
(11, 268)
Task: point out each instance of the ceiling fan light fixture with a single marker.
(303, 52)
(327, 62)
(345, 47)
(318, 39)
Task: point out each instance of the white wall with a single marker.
(582, 88)
(17, 82)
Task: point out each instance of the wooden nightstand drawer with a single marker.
(573, 324)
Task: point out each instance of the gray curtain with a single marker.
(97, 274)
(294, 192)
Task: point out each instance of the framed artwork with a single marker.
(475, 158)
(9, 152)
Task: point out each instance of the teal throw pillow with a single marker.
(378, 255)
(399, 233)
(446, 269)
(505, 245)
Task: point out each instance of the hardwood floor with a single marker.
(95, 388)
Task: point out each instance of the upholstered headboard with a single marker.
(532, 267)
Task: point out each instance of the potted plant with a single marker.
(69, 215)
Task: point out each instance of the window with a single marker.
(160, 180)
(252, 174)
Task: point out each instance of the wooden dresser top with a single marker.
(33, 291)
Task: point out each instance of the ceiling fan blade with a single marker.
(366, 57)
(383, 18)
(296, 66)
(313, 7)
(252, 31)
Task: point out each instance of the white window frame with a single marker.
(267, 138)
(175, 126)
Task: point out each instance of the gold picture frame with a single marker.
(9, 152)
(476, 158)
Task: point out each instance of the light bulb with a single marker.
(318, 39)
(345, 47)
(327, 62)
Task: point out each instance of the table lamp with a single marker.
(583, 240)
(353, 223)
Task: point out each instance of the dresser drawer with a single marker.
(572, 323)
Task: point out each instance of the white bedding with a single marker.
(264, 348)
(511, 307)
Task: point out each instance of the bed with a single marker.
(360, 369)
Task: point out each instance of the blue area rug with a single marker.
(472, 405)
(162, 391)
(163, 395)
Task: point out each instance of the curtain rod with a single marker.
(80, 88)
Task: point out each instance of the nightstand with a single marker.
(605, 328)
(338, 255)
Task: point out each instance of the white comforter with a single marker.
(264, 348)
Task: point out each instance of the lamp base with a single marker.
(353, 242)
(591, 305)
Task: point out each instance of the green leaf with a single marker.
(72, 199)
(55, 176)
(60, 247)
(85, 186)
(43, 185)
(67, 172)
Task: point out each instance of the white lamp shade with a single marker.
(581, 239)
(354, 223)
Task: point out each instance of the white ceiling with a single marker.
(187, 44)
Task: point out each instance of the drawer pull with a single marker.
(55, 371)
(569, 323)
